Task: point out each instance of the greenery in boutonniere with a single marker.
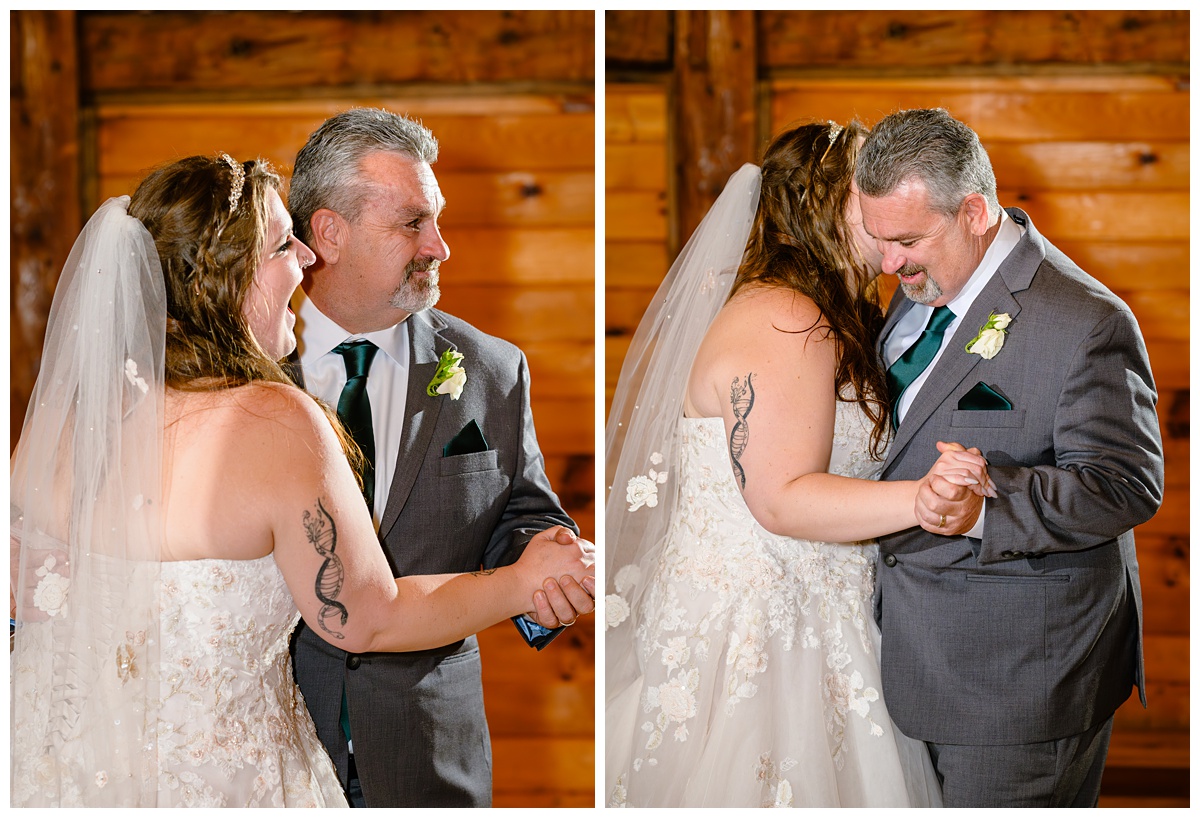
(990, 338)
(450, 377)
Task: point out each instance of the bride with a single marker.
(177, 506)
(741, 647)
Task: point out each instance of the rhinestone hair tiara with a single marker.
(238, 183)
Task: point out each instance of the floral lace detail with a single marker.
(233, 729)
(729, 600)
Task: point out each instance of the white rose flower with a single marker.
(453, 386)
(50, 596)
(1002, 320)
(627, 577)
(616, 610)
(676, 701)
(988, 343)
(641, 491)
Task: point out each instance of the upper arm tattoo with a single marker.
(322, 533)
(741, 398)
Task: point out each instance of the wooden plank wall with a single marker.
(515, 117)
(636, 247)
(1086, 118)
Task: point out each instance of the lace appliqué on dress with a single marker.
(729, 600)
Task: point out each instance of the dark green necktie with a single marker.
(354, 408)
(912, 363)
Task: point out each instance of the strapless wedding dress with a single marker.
(233, 730)
(759, 656)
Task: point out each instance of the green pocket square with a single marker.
(468, 441)
(982, 398)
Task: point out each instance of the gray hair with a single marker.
(327, 168)
(930, 145)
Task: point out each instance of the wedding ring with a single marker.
(942, 522)
(569, 624)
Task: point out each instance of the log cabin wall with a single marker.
(101, 98)
(1086, 118)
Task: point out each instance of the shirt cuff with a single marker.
(976, 532)
(530, 629)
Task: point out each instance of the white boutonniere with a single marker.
(990, 338)
(450, 377)
(642, 489)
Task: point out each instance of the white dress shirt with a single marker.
(906, 331)
(387, 384)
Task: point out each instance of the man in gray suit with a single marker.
(1010, 637)
(455, 478)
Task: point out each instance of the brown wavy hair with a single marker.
(209, 253)
(800, 241)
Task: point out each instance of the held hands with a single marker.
(950, 497)
(559, 602)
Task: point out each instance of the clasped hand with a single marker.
(950, 496)
(569, 588)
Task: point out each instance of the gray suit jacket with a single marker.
(417, 719)
(1034, 632)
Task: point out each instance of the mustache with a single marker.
(911, 269)
(422, 265)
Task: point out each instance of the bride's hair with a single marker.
(208, 218)
(801, 241)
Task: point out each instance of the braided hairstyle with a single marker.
(209, 223)
(800, 241)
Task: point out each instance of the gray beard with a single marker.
(417, 295)
(925, 293)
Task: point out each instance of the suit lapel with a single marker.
(426, 346)
(1013, 275)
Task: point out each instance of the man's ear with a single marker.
(328, 233)
(975, 210)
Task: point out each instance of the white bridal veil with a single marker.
(641, 437)
(86, 530)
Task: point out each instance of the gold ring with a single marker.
(569, 624)
(942, 522)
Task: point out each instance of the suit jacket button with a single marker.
(1006, 554)
(353, 662)
(889, 560)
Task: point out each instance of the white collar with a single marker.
(322, 334)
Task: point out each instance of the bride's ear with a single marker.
(329, 234)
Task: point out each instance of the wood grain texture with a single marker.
(136, 52)
(45, 169)
(882, 40)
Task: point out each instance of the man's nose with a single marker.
(435, 246)
(892, 260)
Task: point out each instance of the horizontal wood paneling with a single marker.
(1050, 109)
(636, 214)
(531, 132)
(642, 38)
(239, 50)
(882, 39)
(635, 264)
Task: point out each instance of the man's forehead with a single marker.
(402, 181)
(903, 213)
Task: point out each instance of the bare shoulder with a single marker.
(275, 420)
(766, 310)
(768, 332)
